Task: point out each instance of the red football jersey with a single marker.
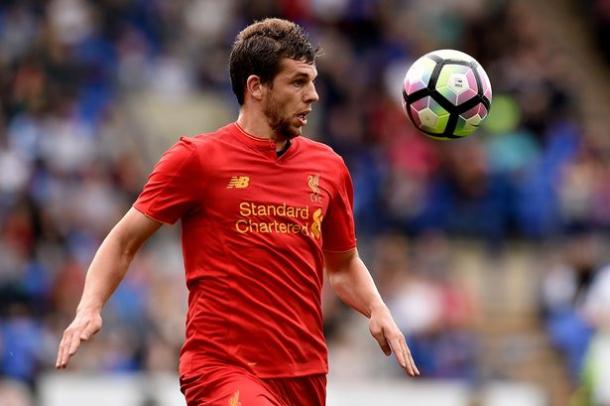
(254, 227)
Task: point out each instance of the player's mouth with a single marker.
(302, 117)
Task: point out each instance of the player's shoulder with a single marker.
(206, 145)
(203, 149)
(207, 139)
(319, 150)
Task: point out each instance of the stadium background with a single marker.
(490, 250)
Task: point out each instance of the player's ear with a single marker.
(254, 86)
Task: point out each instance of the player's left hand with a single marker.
(390, 338)
(86, 323)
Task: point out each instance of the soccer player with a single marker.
(263, 212)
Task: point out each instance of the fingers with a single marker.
(399, 352)
(67, 347)
(390, 339)
(73, 345)
(70, 342)
(82, 328)
(383, 343)
(403, 355)
(412, 362)
(60, 363)
(89, 330)
(60, 356)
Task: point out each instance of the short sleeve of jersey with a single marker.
(173, 186)
(338, 225)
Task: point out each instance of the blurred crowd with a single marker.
(599, 13)
(82, 90)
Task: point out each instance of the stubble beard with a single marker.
(280, 125)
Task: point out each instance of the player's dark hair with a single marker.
(259, 48)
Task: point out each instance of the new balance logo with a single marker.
(238, 182)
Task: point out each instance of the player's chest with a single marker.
(272, 190)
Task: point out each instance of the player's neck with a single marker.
(259, 127)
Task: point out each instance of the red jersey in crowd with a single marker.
(254, 227)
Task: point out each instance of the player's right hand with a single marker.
(85, 324)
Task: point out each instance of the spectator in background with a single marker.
(564, 292)
(600, 14)
(14, 393)
(596, 309)
(21, 344)
(431, 309)
(466, 198)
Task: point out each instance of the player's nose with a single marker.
(311, 95)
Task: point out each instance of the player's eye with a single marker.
(299, 83)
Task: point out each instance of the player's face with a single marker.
(290, 96)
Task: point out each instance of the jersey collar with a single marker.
(263, 145)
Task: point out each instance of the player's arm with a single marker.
(351, 280)
(105, 273)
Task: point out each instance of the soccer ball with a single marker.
(447, 94)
